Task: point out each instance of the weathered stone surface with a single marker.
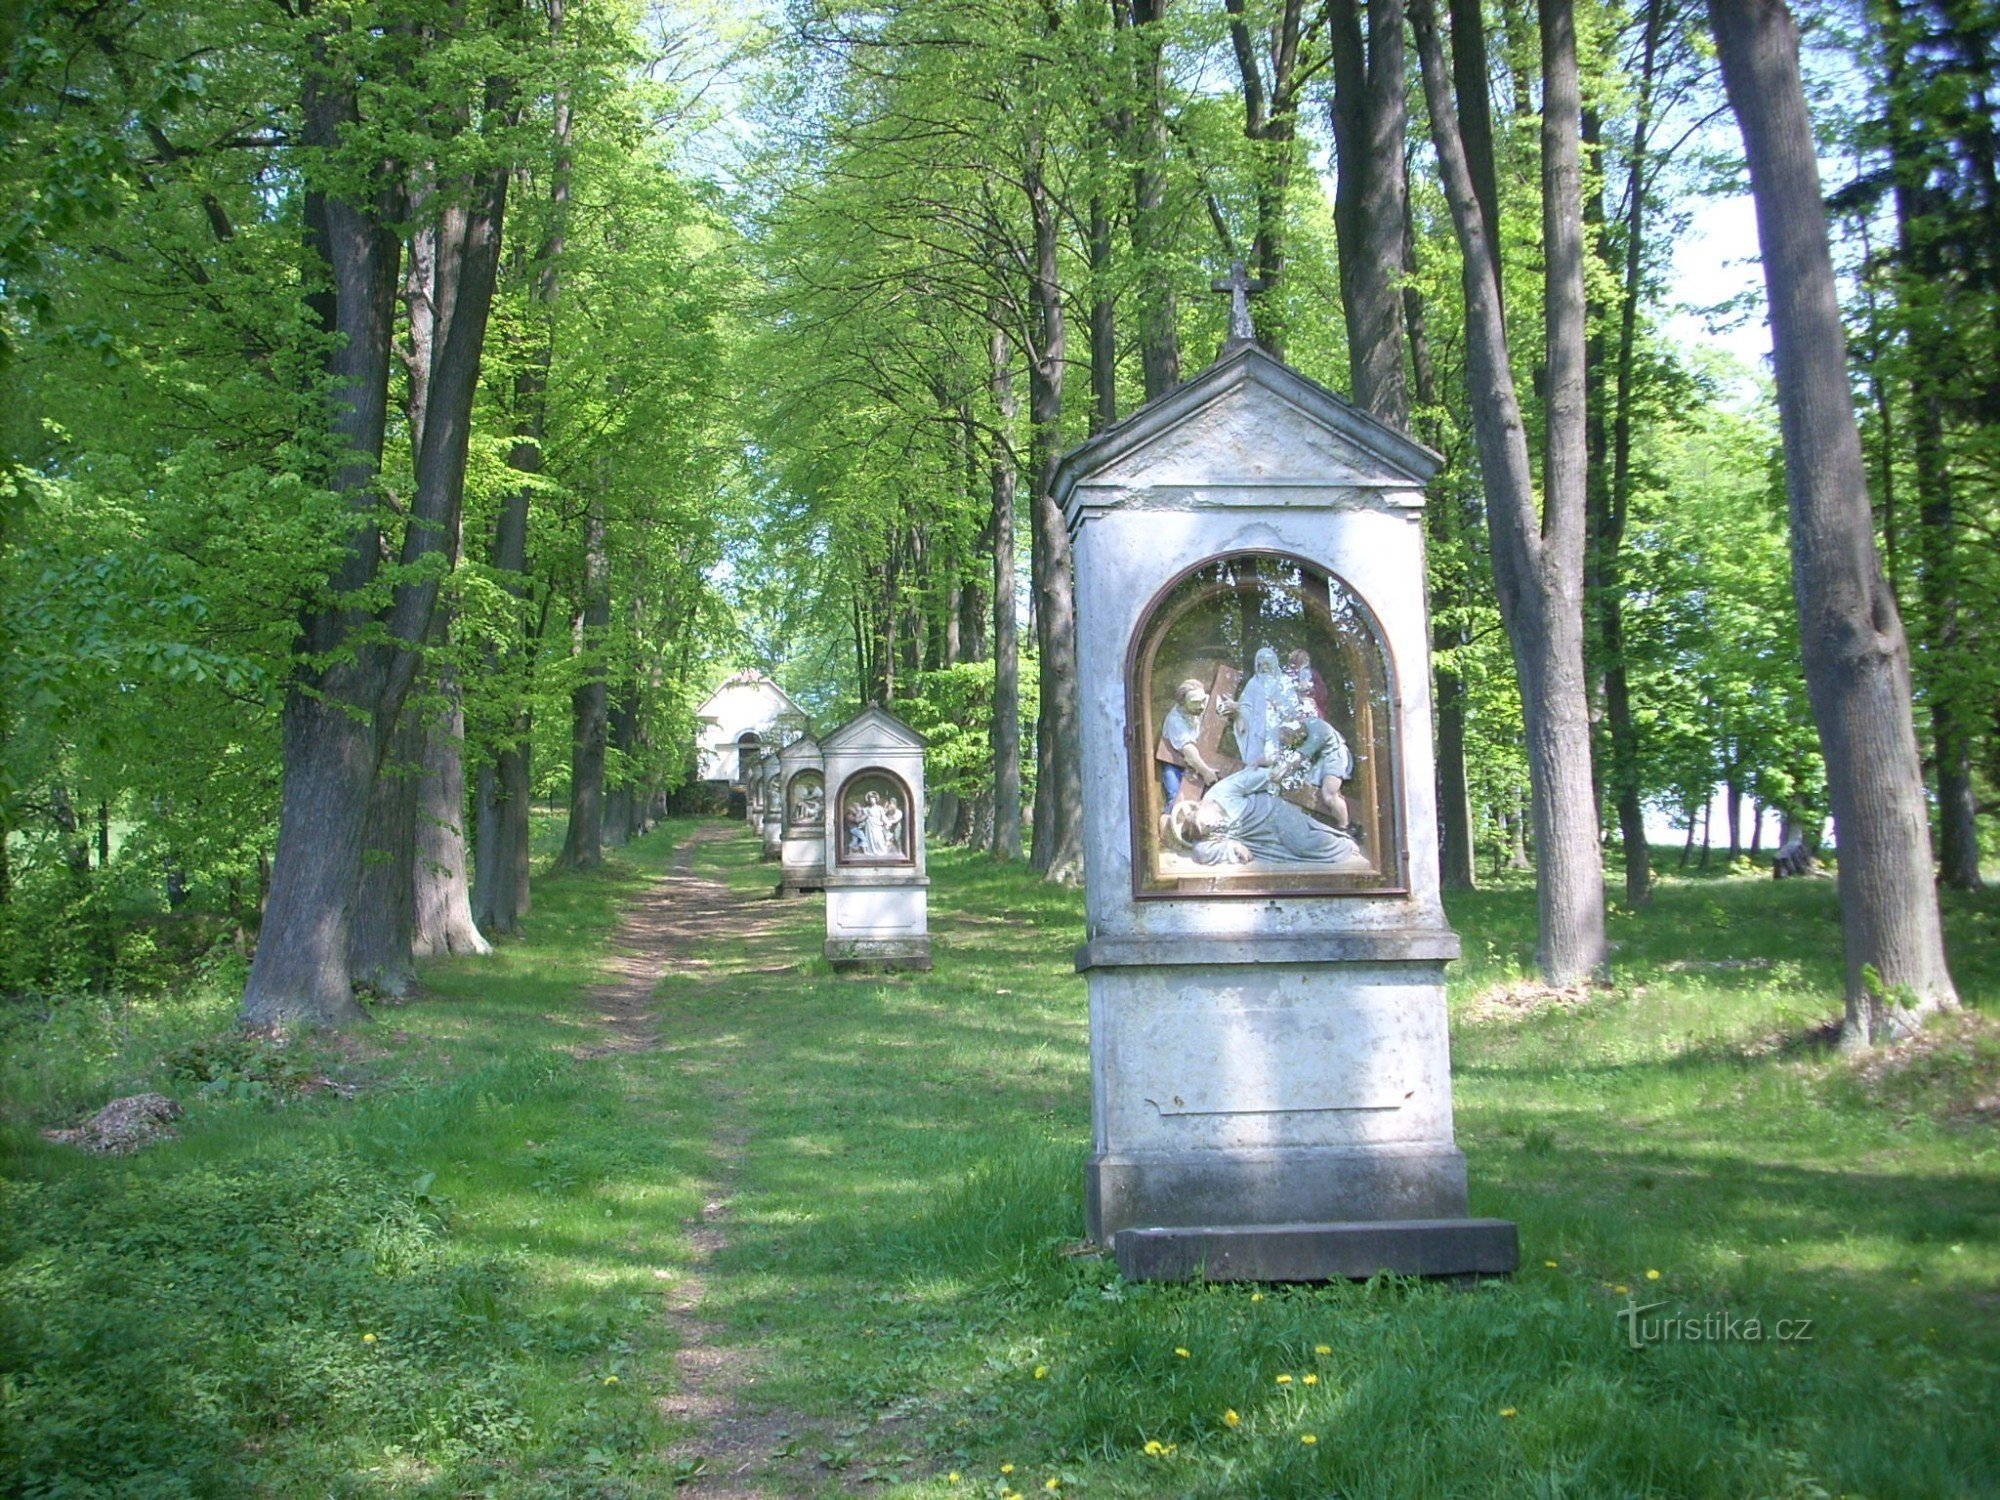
(1270, 1185)
(1320, 1252)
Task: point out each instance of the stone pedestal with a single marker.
(877, 894)
(1266, 942)
(802, 855)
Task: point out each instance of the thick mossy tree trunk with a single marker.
(1857, 660)
(1537, 550)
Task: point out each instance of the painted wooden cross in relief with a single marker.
(1239, 284)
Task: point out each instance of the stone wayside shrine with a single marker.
(1271, 1080)
(802, 857)
(877, 894)
(770, 803)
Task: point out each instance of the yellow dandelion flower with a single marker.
(1006, 1468)
(952, 1477)
(1308, 1438)
(1652, 1275)
(1284, 1380)
(1154, 1447)
(1182, 1353)
(1322, 1348)
(1230, 1419)
(1508, 1411)
(367, 1338)
(1052, 1485)
(611, 1380)
(1041, 1372)
(1256, 1296)
(1309, 1380)
(1550, 1264)
(1621, 1289)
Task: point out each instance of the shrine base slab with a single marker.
(1320, 1252)
(879, 955)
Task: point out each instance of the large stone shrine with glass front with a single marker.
(877, 891)
(1271, 1084)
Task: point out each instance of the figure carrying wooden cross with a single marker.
(1239, 283)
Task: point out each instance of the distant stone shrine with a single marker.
(770, 775)
(802, 857)
(877, 900)
(1266, 943)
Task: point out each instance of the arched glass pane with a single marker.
(1264, 745)
(875, 820)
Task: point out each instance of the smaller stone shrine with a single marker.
(771, 802)
(802, 856)
(753, 791)
(877, 902)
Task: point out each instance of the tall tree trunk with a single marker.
(1938, 539)
(443, 898)
(451, 330)
(1159, 311)
(500, 892)
(1474, 95)
(1103, 321)
(1446, 519)
(1369, 204)
(331, 719)
(1612, 493)
(624, 803)
(1537, 559)
(440, 905)
(381, 942)
(501, 897)
(1006, 732)
(583, 843)
(1857, 659)
(1057, 846)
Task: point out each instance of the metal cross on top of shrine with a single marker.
(1239, 283)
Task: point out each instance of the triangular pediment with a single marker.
(804, 749)
(874, 728)
(1247, 420)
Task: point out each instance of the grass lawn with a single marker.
(456, 1281)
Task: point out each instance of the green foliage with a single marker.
(952, 708)
(341, 1294)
